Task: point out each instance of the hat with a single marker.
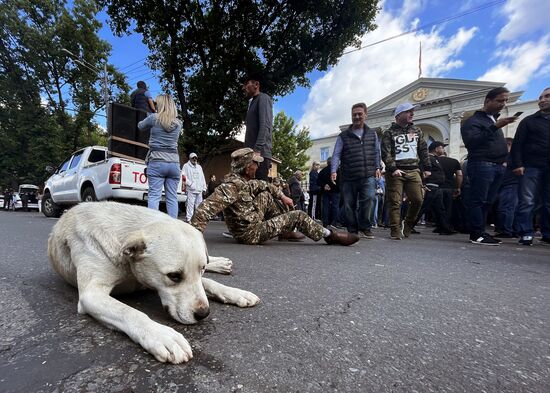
(245, 154)
(193, 155)
(252, 76)
(407, 106)
(436, 144)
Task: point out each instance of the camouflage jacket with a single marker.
(235, 197)
(404, 148)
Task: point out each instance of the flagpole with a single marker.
(420, 61)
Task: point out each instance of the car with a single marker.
(27, 197)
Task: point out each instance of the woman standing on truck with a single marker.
(163, 163)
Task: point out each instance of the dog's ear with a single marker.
(135, 246)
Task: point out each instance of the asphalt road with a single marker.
(430, 314)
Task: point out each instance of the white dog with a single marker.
(107, 247)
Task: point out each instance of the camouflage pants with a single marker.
(278, 221)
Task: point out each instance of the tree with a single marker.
(290, 145)
(49, 101)
(203, 48)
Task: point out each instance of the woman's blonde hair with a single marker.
(167, 114)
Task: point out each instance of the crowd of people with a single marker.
(393, 179)
(402, 181)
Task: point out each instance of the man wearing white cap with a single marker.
(195, 185)
(405, 153)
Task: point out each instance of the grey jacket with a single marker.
(259, 123)
(163, 144)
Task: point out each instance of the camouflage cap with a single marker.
(241, 158)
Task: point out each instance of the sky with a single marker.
(507, 41)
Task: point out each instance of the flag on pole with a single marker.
(420, 61)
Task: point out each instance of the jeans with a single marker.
(330, 207)
(506, 209)
(359, 199)
(534, 182)
(485, 178)
(167, 174)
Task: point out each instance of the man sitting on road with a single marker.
(250, 211)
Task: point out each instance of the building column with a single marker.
(455, 139)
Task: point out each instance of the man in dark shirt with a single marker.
(483, 137)
(531, 162)
(433, 197)
(259, 123)
(330, 192)
(142, 99)
(450, 189)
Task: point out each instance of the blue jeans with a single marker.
(506, 209)
(167, 174)
(533, 183)
(485, 178)
(359, 199)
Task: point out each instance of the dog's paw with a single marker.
(220, 265)
(240, 298)
(166, 344)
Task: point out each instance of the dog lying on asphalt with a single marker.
(108, 247)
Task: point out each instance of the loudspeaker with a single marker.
(122, 123)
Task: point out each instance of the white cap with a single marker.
(407, 106)
(192, 155)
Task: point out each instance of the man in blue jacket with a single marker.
(487, 150)
(531, 162)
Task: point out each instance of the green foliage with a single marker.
(290, 145)
(48, 101)
(203, 49)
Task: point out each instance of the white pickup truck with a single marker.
(90, 174)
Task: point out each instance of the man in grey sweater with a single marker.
(259, 123)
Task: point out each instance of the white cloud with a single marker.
(370, 74)
(524, 17)
(519, 63)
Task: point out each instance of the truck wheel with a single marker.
(88, 195)
(49, 207)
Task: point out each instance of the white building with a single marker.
(442, 105)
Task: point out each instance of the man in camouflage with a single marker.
(251, 213)
(405, 153)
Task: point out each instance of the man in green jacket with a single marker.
(405, 153)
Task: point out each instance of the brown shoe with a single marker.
(342, 238)
(291, 236)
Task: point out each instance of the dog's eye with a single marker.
(176, 276)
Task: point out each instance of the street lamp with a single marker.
(104, 79)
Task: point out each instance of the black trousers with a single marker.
(434, 199)
(263, 169)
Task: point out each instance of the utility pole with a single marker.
(104, 76)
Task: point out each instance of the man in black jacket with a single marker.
(330, 191)
(531, 162)
(487, 151)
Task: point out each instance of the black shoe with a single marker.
(484, 240)
(414, 232)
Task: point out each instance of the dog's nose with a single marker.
(201, 313)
